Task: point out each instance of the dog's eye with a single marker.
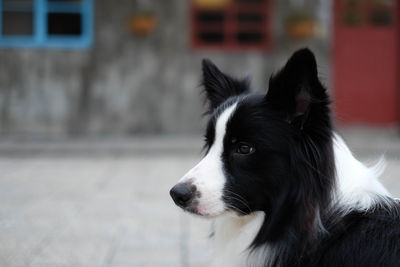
(244, 149)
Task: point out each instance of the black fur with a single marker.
(361, 238)
(290, 175)
(219, 86)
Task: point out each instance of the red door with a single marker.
(366, 62)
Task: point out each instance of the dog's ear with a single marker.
(296, 88)
(220, 86)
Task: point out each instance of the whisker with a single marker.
(238, 198)
(236, 209)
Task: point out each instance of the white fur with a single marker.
(233, 235)
(358, 186)
(208, 175)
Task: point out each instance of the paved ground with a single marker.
(106, 203)
(90, 207)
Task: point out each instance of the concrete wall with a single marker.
(127, 85)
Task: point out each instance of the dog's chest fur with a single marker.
(233, 235)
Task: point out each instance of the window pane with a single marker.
(210, 16)
(64, 24)
(65, 1)
(381, 13)
(381, 17)
(17, 23)
(211, 37)
(251, 1)
(250, 17)
(17, 5)
(249, 37)
(27, 2)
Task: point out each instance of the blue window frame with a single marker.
(46, 23)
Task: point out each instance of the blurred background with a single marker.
(101, 112)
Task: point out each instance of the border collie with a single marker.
(283, 187)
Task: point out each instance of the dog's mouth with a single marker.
(197, 210)
(190, 199)
(187, 198)
(203, 214)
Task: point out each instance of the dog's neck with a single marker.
(233, 236)
(356, 188)
(233, 223)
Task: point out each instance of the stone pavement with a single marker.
(96, 211)
(90, 203)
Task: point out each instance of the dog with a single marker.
(282, 185)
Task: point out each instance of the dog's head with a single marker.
(263, 152)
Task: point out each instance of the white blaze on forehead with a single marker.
(220, 128)
(208, 175)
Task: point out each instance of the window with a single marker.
(46, 23)
(234, 24)
(368, 13)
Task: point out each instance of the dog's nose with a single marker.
(182, 193)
